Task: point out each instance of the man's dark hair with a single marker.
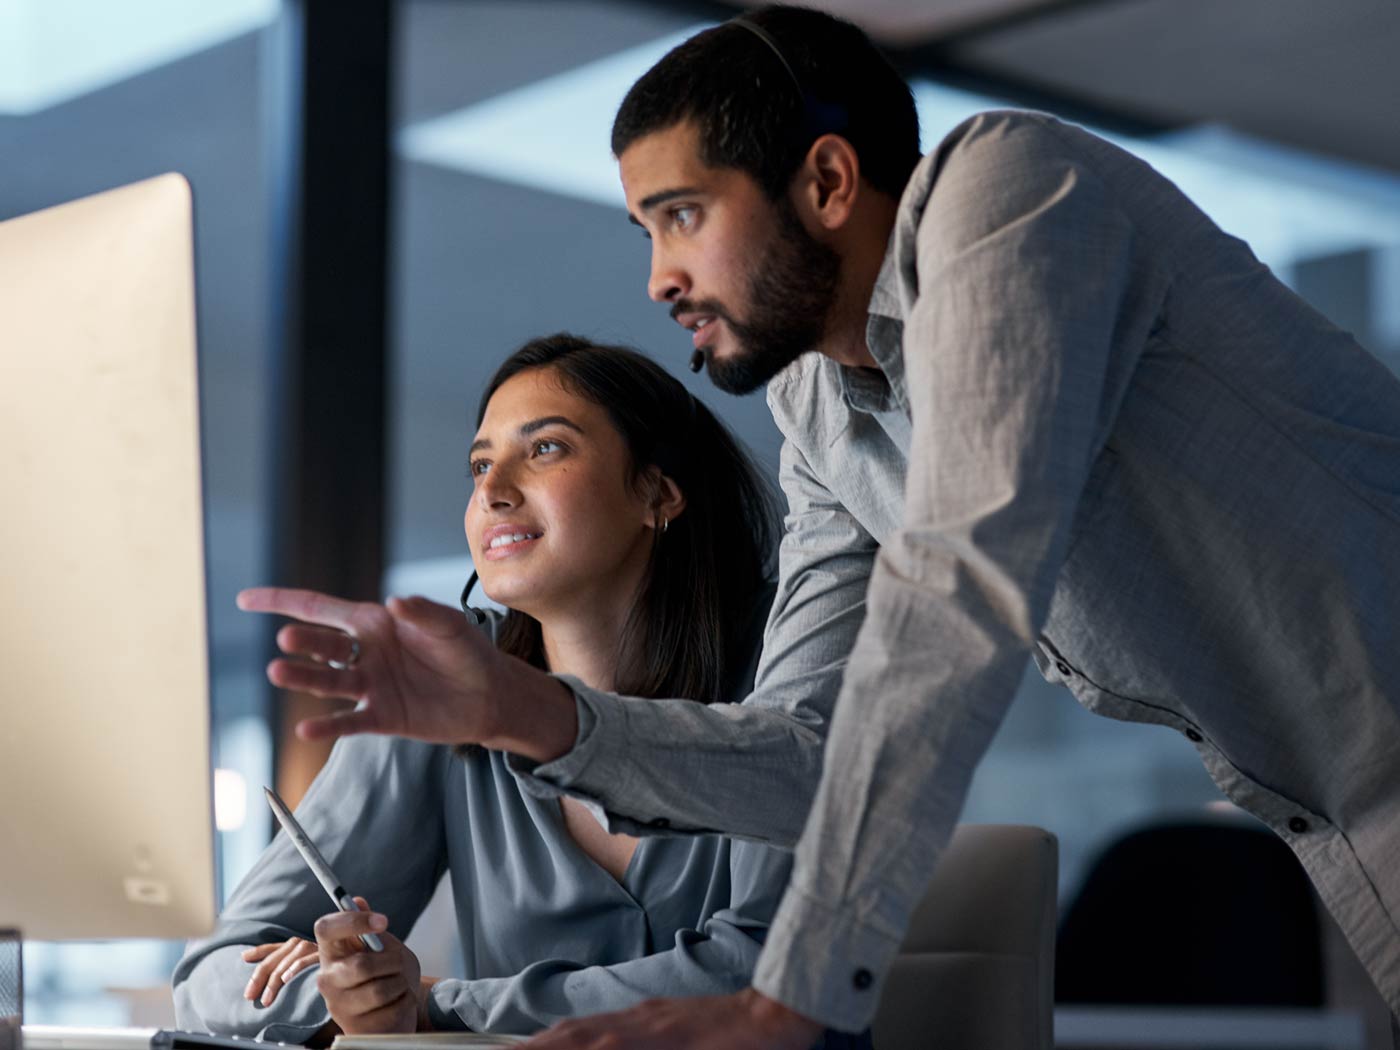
(761, 117)
(686, 635)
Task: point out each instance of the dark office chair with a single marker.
(1202, 913)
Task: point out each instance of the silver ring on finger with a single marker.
(349, 661)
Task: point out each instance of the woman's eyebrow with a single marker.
(526, 429)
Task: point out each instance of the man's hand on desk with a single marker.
(743, 1021)
(417, 669)
(368, 991)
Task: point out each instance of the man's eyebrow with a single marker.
(526, 429)
(647, 203)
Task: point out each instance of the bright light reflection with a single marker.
(230, 799)
(55, 50)
(549, 135)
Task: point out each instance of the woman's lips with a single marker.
(506, 546)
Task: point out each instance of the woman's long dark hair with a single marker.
(709, 565)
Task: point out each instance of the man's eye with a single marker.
(684, 216)
(478, 467)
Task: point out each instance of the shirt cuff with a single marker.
(301, 1000)
(596, 722)
(308, 1005)
(451, 1007)
(824, 962)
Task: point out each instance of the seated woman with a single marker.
(629, 536)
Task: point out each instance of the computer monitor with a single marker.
(106, 825)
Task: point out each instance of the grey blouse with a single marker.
(546, 933)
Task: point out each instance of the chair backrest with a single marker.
(1231, 921)
(976, 970)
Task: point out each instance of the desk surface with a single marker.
(1188, 1028)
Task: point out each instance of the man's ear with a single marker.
(828, 182)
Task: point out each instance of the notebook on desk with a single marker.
(425, 1041)
(64, 1037)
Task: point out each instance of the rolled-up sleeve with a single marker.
(1028, 311)
(748, 770)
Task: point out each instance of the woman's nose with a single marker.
(497, 489)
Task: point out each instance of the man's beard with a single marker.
(790, 296)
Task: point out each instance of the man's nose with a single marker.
(668, 282)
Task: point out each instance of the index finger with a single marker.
(310, 606)
(338, 934)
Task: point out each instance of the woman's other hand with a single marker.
(277, 964)
(417, 669)
(367, 991)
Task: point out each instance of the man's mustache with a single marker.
(704, 306)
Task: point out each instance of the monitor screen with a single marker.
(106, 823)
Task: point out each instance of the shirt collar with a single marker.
(884, 335)
(884, 299)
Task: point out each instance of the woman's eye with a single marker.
(543, 448)
(684, 216)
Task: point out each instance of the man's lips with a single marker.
(705, 334)
(701, 325)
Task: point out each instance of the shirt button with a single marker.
(1193, 736)
(661, 822)
(1297, 825)
(1063, 668)
(862, 979)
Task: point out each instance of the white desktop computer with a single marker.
(106, 825)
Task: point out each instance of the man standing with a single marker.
(1034, 403)
(1053, 410)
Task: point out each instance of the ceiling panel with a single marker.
(901, 23)
(1321, 76)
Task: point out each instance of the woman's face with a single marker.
(554, 523)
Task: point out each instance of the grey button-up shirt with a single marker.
(1101, 434)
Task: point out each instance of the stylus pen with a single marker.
(317, 864)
